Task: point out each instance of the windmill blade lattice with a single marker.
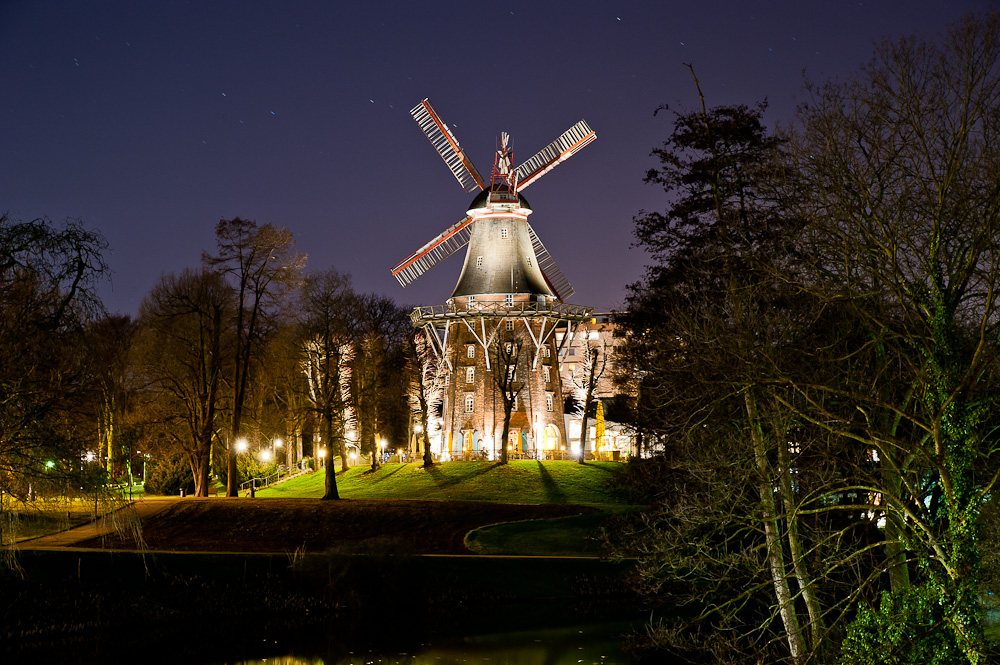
(447, 146)
(454, 238)
(553, 275)
(572, 141)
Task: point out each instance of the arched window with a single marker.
(546, 373)
(470, 374)
(470, 351)
(546, 352)
(548, 401)
(470, 403)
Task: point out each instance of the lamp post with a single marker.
(322, 457)
(276, 444)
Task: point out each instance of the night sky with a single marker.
(152, 120)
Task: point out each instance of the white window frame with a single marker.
(504, 234)
(470, 404)
(546, 373)
(470, 374)
(510, 324)
(549, 406)
(479, 262)
(470, 351)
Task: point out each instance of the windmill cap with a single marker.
(482, 199)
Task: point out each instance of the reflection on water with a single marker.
(592, 643)
(511, 634)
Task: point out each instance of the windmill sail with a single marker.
(553, 275)
(447, 146)
(571, 142)
(444, 245)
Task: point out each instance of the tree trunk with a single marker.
(330, 479)
(428, 460)
(808, 590)
(505, 435)
(775, 554)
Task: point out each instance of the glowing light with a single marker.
(278, 442)
(322, 452)
(241, 445)
(265, 455)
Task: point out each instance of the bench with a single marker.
(214, 491)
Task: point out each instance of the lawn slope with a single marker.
(521, 481)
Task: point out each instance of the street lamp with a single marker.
(322, 455)
(241, 445)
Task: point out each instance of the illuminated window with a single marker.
(470, 374)
(470, 352)
(548, 402)
(470, 403)
(503, 233)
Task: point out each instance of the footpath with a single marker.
(141, 508)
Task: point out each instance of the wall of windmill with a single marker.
(471, 426)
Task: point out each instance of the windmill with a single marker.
(500, 200)
(509, 288)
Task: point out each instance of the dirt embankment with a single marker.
(310, 525)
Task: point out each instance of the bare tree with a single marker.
(180, 354)
(507, 382)
(426, 386)
(48, 276)
(261, 264)
(595, 360)
(379, 383)
(328, 308)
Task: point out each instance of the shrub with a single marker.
(169, 476)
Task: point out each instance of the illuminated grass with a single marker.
(521, 481)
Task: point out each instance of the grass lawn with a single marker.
(521, 481)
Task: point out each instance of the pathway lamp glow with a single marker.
(241, 445)
(322, 456)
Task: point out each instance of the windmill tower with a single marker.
(497, 333)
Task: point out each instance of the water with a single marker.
(582, 644)
(525, 634)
